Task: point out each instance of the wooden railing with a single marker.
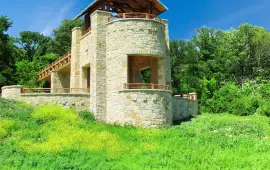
(54, 66)
(133, 15)
(86, 31)
(137, 15)
(191, 96)
(55, 90)
(146, 86)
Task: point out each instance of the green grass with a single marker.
(51, 137)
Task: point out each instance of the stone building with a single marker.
(121, 39)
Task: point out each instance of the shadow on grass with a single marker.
(179, 122)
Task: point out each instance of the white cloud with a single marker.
(240, 14)
(57, 20)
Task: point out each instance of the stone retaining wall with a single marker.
(77, 101)
(184, 108)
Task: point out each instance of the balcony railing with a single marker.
(146, 86)
(55, 90)
(54, 66)
(191, 96)
(134, 15)
(86, 31)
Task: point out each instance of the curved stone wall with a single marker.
(146, 108)
(136, 36)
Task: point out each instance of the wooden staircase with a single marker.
(55, 66)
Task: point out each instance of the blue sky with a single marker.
(184, 15)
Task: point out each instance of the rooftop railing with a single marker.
(134, 15)
(54, 66)
(86, 31)
(191, 96)
(146, 86)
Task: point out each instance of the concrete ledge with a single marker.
(76, 28)
(11, 87)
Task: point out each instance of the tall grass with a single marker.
(52, 137)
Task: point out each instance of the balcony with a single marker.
(86, 31)
(134, 15)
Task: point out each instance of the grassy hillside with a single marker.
(52, 137)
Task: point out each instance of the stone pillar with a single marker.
(11, 92)
(75, 71)
(98, 91)
(167, 62)
(55, 82)
(60, 82)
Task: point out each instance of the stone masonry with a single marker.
(108, 57)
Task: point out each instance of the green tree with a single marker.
(63, 35)
(34, 43)
(8, 53)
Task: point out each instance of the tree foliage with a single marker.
(62, 36)
(8, 53)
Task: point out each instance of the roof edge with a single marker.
(163, 5)
(81, 13)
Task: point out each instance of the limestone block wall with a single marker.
(184, 108)
(142, 107)
(11, 92)
(60, 80)
(77, 101)
(137, 37)
(86, 49)
(86, 56)
(132, 37)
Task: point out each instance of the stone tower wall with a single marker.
(98, 64)
(136, 37)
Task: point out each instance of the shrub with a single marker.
(52, 112)
(232, 99)
(264, 108)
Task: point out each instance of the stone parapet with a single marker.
(77, 101)
(11, 92)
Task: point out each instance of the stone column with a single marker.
(55, 82)
(98, 91)
(60, 82)
(75, 71)
(167, 62)
(11, 92)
